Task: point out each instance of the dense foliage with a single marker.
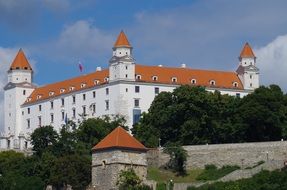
(178, 156)
(191, 115)
(276, 180)
(60, 159)
(211, 172)
(128, 180)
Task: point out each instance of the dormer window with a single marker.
(106, 79)
(138, 77)
(39, 97)
(154, 78)
(72, 88)
(96, 82)
(51, 93)
(29, 99)
(212, 82)
(174, 79)
(235, 84)
(62, 90)
(83, 85)
(193, 81)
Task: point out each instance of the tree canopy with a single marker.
(191, 115)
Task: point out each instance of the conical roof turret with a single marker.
(122, 41)
(247, 51)
(20, 62)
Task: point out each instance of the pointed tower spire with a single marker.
(247, 52)
(20, 62)
(122, 41)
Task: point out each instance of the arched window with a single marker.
(83, 85)
(106, 79)
(193, 81)
(174, 79)
(138, 77)
(96, 82)
(212, 82)
(154, 78)
(235, 84)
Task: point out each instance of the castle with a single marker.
(125, 87)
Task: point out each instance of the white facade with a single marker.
(122, 94)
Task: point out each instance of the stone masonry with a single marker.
(241, 154)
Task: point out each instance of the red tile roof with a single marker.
(20, 62)
(68, 86)
(122, 41)
(247, 51)
(119, 138)
(222, 79)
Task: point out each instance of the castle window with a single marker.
(24, 92)
(74, 99)
(94, 94)
(126, 67)
(26, 68)
(250, 76)
(126, 76)
(156, 90)
(83, 85)
(193, 81)
(137, 89)
(74, 112)
(174, 79)
(63, 101)
(39, 96)
(40, 107)
(104, 164)
(39, 121)
(84, 97)
(71, 88)
(250, 84)
(52, 104)
(94, 108)
(26, 144)
(212, 82)
(28, 110)
(107, 105)
(235, 84)
(51, 93)
(127, 89)
(107, 91)
(63, 115)
(238, 95)
(138, 77)
(154, 78)
(137, 103)
(52, 118)
(62, 90)
(84, 110)
(28, 123)
(106, 79)
(96, 82)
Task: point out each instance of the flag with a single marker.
(80, 66)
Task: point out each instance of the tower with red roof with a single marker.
(116, 152)
(17, 90)
(247, 70)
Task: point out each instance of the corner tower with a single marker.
(247, 70)
(122, 65)
(17, 90)
(116, 152)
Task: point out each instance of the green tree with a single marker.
(43, 138)
(178, 156)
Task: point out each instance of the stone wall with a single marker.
(241, 154)
(107, 164)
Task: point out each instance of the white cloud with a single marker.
(77, 40)
(272, 61)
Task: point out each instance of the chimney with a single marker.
(99, 69)
(183, 65)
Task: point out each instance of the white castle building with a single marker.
(124, 88)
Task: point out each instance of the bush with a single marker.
(212, 173)
(160, 186)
